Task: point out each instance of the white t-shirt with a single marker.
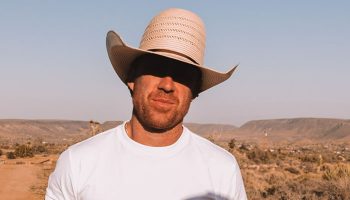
(111, 165)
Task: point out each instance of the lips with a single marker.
(163, 102)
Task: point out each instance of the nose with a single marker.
(166, 84)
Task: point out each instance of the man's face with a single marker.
(161, 93)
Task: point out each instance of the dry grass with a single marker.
(294, 171)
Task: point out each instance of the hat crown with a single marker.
(177, 33)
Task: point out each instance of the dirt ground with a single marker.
(24, 178)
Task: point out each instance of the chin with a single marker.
(160, 125)
(158, 122)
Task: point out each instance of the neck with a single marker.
(160, 138)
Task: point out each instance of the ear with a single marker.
(131, 86)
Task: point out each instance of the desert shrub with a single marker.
(244, 148)
(275, 178)
(211, 138)
(309, 168)
(270, 191)
(313, 158)
(24, 151)
(292, 170)
(281, 156)
(329, 157)
(39, 149)
(10, 155)
(337, 172)
(294, 179)
(232, 143)
(259, 156)
(336, 189)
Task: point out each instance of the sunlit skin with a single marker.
(161, 97)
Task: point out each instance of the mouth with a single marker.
(164, 100)
(163, 104)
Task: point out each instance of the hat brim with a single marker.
(122, 56)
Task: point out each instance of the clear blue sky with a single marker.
(294, 58)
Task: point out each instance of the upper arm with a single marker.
(236, 184)
(61, 184)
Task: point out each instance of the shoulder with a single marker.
(223, 168)
(97, 142)
(80, 159)
(76, 164)
(85, 154)
(215, 155)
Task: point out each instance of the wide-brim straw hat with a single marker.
(174, 33)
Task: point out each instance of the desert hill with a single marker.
(297, 129)
(275, 130)
(69, 131)
(48, 130)
(110, 124)
(201, 129)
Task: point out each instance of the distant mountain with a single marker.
(68, 131)
(48, 130)
(274, 130)
(297, 129)
(207, 130)
(110, 124)
(201, 129)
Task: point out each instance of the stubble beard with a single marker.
(159, 120)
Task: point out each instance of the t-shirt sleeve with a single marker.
(61, 184)
(232, 186)
(237, 186)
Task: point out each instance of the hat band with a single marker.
(174, 52)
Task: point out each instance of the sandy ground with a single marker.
(22, 178)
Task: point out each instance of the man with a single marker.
(153, 156)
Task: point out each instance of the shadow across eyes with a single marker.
(159, 66)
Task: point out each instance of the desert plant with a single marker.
(39, 149)
(292, 170)
(211, 138)
(244, 147)
(336, 189)
(268, 192)
(329, 157)
(337, 172)
(10, 155)
(24, 151)
(259, 156)
(232, 143)
(310, 158)
(309, 168)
